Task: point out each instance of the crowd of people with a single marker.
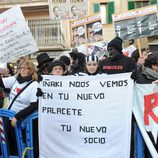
(26, 80)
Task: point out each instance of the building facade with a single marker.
(54, 36)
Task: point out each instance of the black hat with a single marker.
(116, 43)
(92, 58)
(74, 50)
(65, 59)
(42, 58)
(57, 63)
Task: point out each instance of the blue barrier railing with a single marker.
(3, 137)
(139, 140)
(27, 124)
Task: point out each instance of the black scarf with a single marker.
(21, 79)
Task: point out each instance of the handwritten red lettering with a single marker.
(150, 102)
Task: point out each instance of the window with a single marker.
(138, 4)
(103, 11)
(106, 10)
(153, 2)
(141, 4)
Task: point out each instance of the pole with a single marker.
(139, 47)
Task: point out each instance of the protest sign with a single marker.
(85, 116)
(16, 39)
(78, 32)
(145, 109)
(136, 23)
(94, 28)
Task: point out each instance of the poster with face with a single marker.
(78, 8)
(94, 28)
(137, 23)
(67, 9)
(78, 32)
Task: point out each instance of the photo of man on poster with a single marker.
(94, 32)
(78, 36)
(75, 13)
(56, 13)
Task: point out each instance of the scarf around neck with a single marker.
(21, 79)
(150, 74)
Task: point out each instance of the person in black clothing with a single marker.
(44, 62)
(57, 68)
(77, 66)
(66, 60)
(149, 72)
(116, 62)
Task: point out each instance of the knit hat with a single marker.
(57, 63)
(116, 43)
(65, 59)
(91, 58)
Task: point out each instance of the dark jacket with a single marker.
(146, 76)
(122, 64)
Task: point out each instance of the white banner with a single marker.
(85, 116)
(145, 110)
(16, 39)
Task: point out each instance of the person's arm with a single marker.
(24, 113)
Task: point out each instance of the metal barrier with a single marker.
(139, 140)
(3, 137)
(27, 124)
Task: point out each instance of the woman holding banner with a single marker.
(92, 65)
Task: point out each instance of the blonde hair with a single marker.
(31, 66)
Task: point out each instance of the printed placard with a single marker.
(16, 39)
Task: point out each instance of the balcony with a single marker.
(49, 34)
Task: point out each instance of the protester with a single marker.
(148, 75)
(92, 65)
(65, 59)
(57, 68)
(149, 71)
(21, 102)
(117, 62)
(3, 73)
(77, 66)
(44, 62)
